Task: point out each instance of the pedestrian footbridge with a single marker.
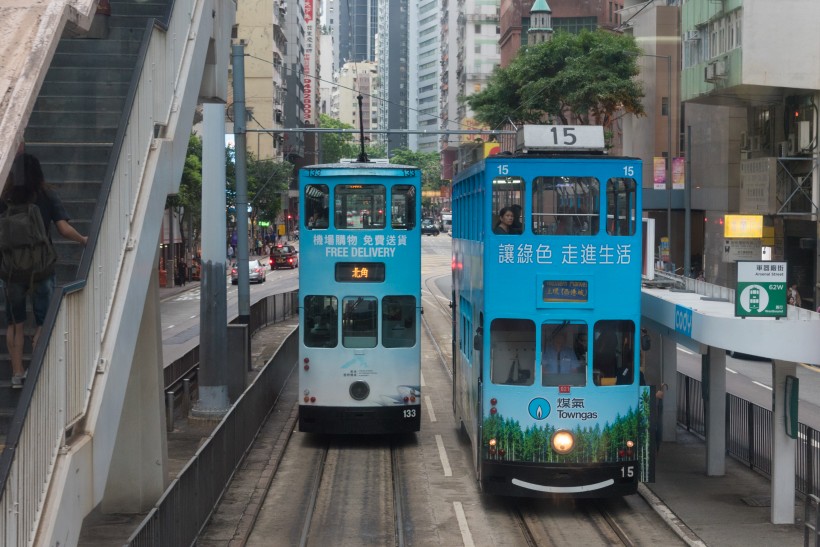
(106, 99)
(701, 317)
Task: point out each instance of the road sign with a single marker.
(761, 289)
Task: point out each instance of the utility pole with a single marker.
(240, 146)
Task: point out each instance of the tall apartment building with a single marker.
(393, 65)
(425, 57)
(354, 24)
(750, 83)
(359, 79)
(475, 32)
(265, 43)
(328, 73)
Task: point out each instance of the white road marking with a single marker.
(730, 370)
(422, 380)
(430, 410)
(193, 317)
(762, 385)
(443, 457)
(466, 536)
(170, 327)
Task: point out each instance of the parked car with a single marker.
(256, 272)
(428, 228)
(284, 256)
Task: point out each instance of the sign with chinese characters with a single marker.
(360, 272)
(678, 173)
(743, 226)
(568, 253)
(761, 289)
(758, 179)
(359, 246)
(565, 291)
(735, 249)
(309, 61)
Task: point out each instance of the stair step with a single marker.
(82, 103)
(130, 45)
(84, 88)
(51, 152)
(142, 9)
(78, 172)
(109, 59)
(89, 74)
(67, 134)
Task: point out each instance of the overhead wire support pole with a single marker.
(240, 153)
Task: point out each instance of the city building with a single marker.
(424, 75)
(359, 79)
(466, 69)
(394, 67)
(750, 83)
(265, 43)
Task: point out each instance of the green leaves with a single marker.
(586, 78)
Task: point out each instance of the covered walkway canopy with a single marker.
(701, 317)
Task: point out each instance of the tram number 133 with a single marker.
(409, 413)
(627, 471)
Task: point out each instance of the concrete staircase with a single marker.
(72, 130)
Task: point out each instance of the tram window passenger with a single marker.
(560, 364)
(512, 351)
(613, 357)
(507, 222)
(316, 206)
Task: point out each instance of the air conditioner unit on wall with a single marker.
(792, 145)
(720, 69)
(783, 149)
(691, 35)
(709, 72)
(744, 141)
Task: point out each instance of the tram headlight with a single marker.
(563, 442)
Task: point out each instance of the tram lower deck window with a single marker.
(398, 321)
(321, 321)
(512, 351)
(360, 322)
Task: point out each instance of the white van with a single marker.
(447, 223)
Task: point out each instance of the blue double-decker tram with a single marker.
(546, 295)
(360, 298)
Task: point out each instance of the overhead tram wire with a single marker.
(331, 130)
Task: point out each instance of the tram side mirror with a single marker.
(478, 339)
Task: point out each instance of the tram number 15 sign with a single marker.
(761, 289)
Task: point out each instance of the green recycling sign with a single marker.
(761, 289)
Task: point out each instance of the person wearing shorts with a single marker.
(26, 184)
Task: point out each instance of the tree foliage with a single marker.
(188, 198)
(428, 162)
(267, 180)
(335, 146)
(586, 78)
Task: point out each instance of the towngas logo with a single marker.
(539, 408)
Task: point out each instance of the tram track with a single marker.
(349, 493)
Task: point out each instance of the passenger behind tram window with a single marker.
(506, 222)
(559, 363)
(517, 225)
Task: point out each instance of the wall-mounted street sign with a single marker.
(761, 289)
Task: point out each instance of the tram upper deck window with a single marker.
(507, 205)
(317, 200)
(360, 206)
(321, 321)
(512, 351)
(403, 207)
(360, 322)
(621, 207)
(398, 321)
(563, 354)
(613, 354)
(565, 205)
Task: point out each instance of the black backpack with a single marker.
(27, 252)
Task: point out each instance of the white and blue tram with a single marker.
(360, 298)
(546, 298)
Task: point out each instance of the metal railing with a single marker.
(749, 435)
(186, 505)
